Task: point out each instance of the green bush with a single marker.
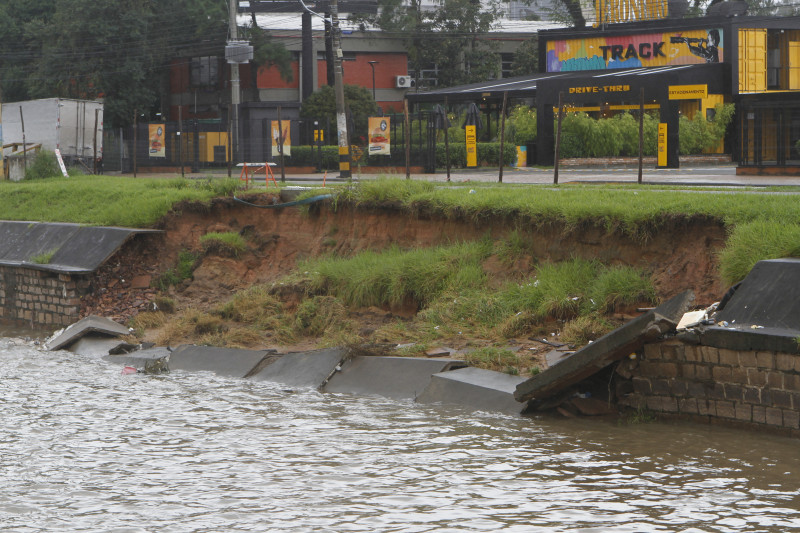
(487, 152)
(44, 165)
(583, 136)
(698, 134)
(306, 156)
(521, 125)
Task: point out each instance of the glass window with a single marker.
(205, 71)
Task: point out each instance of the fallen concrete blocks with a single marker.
(91, 324)
(475, 388)
(229, 362)
(609, 348)
(399, 378)
(149, 361)
(304, 369)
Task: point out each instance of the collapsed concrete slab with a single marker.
(74, 247)
(607, 349)
(763, 313)
(304, 369)
(150, 361)
(474, 388)
(769, 296)
(398, 378)
(96, 345)
(90, 324)
(222, 361)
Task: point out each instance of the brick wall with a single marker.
(761, 388)
(40, 298)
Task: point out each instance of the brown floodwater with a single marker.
(85, 448)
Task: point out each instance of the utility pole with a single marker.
(341, 116)
(235, 93)
(307, 76)
(2, 163)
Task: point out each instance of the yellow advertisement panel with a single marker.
(614, 11)
(662, 144)
(472, 146)
(281, 131)
(633, 51)
(688, 92)
(156, 136)
(379, 135)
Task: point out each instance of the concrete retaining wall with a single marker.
(38, 297)
(759, 388)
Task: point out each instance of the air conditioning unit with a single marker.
(405, 82)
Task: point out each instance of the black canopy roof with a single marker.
(716, 75)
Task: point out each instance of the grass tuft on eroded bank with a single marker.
(752, 242)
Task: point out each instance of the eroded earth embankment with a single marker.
(681, 254)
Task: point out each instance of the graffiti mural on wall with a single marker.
(632, 51)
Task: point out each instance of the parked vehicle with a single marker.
(74, 127)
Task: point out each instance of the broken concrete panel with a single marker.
(95, 345)
(152, 360)
(75, 248)
(769, 296)
(763, 313)
(90, 324)
(605, 350)
(398, 378)
(553, 357)
(746, 339)
(478, 389)
(222, 361)
(304, 369)
(440, 352)
(690, 319)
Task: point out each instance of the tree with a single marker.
(567, 12)
(458, 52)
(118, 51)
(19, 44)
(448, 37)
(266, 51)
(321, 106)
(526, 58)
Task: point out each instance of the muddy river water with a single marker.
(85, 448)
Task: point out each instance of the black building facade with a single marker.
(675, 67)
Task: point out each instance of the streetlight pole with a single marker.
(372, 66)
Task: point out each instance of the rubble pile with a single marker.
(122, 286)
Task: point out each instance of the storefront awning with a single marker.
(715, 76)
(520, 87)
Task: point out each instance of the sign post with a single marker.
(472, 146)
(662, 144)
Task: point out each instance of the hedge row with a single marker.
(489, 153)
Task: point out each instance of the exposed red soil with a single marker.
(681, 254)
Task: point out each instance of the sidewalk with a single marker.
(719, 176)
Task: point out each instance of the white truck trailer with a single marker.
(74, 127)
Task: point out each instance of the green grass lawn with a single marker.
(103, 200)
